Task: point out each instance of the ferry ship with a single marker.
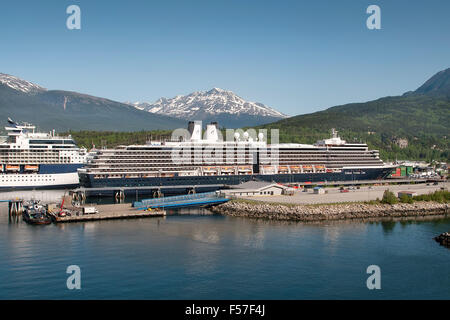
(193, 161)
(34, 160)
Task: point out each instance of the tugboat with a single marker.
(35, 213)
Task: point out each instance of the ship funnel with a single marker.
(211, 133)
(195, 129)
(334, 133)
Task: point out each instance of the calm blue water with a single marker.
(215, 257)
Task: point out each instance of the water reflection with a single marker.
(196, 255)
(388, 226)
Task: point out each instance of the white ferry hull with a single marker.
(39, 181)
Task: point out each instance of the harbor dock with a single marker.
(155, 191)
(110, 212)
(159, 191)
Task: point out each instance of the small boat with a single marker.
(35, 213)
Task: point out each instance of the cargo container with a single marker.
(403, 171)
(396, 172)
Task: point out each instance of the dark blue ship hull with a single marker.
(88, 180)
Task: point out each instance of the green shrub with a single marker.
(406, 199)
(389, 197)
(442, 196)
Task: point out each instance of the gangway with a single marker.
(191, 200)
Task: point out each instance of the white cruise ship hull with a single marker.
(39, 181)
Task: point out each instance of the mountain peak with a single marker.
(439, 84)
(217, 90)
(20, 84)
(213, 105)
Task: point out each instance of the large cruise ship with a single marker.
(193, 161)
(33, 160)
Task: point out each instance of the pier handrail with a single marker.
(179, 201)
(180, 198)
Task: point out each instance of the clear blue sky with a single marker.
(295, 56)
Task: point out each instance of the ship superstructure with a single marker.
(30, 159)
(191, 160)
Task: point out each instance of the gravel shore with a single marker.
(329, 212)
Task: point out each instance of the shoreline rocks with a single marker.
(443, 239)
(329, 212)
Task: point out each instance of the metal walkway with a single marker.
(191, 200)
(111, 191)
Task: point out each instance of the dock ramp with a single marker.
(191, 200)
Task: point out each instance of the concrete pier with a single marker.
(109, 212)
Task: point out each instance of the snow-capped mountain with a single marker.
(214, 105)
(20, 84)
(62, 110)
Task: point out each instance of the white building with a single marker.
(257, 188)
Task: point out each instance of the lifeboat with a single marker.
(320, 168)
(167, 174)
(283, 169)
(245, 169)
(269, 169)
(30, 167)
(149, 175)
(227, 169)
(10, 167)
(210, 170)
(329, 170)
(1, 168)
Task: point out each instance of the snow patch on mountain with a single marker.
(20, 84)
(202, 104)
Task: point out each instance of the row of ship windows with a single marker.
(26, 180)
(36, 151)
(228, 162)
(184, 165)
(223, 150)
(235, 157)
(35, 160)
(169, 154)
(214, 148)
(116, 159)
(184, 181)
(33, 156)
(140, 170)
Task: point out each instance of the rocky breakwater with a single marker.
(328, 212)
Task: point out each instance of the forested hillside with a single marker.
(412, 126)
